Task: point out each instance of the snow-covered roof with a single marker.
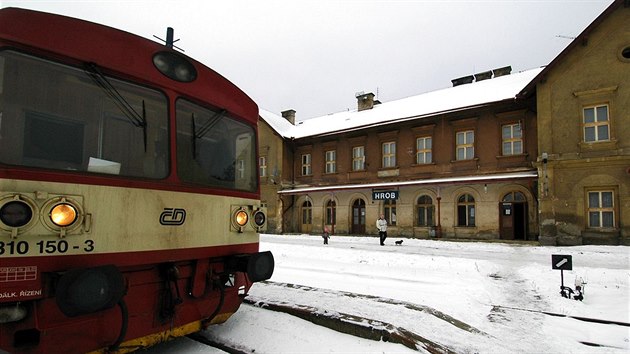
(277, 123)
(424, 105)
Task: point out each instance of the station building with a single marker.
(457, 162)
(542, 154)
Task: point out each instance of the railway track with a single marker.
(414, 326)
(401, 328)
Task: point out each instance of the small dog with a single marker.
(399, 242)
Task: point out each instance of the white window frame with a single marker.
(389, 154)
(358, 158)
(424, 146)
(306, 165)
(331, 161)
(512, 139)
(262, 163)
(599, 210)
(598, 122)
(465, 145)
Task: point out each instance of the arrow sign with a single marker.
(561, 261)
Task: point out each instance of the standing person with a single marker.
(381, 225)
(326, 235)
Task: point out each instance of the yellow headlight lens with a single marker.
(241, 218)
(63, 215)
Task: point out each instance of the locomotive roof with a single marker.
(84, 41)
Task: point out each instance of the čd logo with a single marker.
(173, 217)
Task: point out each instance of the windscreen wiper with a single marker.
(125, 107)
(205, 128)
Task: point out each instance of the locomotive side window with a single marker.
(214, 149)
(59, 117)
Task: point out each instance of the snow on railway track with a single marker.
(406, 323)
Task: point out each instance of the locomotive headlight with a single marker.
(63, 214)
(241, 217)
(259, 218)
(16, 213)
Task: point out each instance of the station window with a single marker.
(425, 210)
(465, 145)
(389, 154)
(389, 209)
(512, 137)
(331, 161)
(423, 150)
(306, 165)
(358, 158)
(262, 162)
(596, 124)
(601, 212)
(466, 210)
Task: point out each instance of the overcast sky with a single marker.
(313, 56)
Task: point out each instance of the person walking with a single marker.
(326, 235)
(381, 226)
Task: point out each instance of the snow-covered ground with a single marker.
(496, 293)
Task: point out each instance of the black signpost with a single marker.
(562, 262)
(565, 262)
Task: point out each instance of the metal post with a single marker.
(169, 37)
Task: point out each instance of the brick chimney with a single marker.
(364, 101)
(462, 80)
(483, 76)
(506, 70)
(289, 115)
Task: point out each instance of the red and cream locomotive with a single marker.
(129, 200)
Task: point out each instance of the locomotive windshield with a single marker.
(59, 117)
(214, 149)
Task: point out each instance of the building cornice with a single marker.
(430, 181)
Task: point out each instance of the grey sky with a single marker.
(313, 56)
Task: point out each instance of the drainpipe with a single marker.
(332, 195)
(438, 227)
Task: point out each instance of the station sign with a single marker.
(384, 195)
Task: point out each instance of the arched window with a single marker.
(466, 210)
(307, 213)
(425, 210)
(514, 197)
(331, 212)
(389, 209)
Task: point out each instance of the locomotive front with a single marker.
(129, 197)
